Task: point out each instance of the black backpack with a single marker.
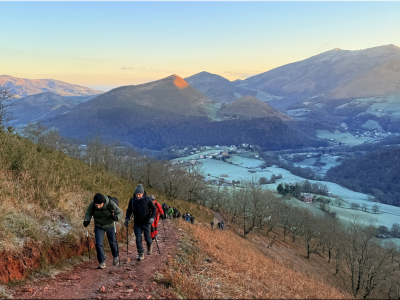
(115, 200)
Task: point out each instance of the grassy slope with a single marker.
(221, 264)
(44, 194)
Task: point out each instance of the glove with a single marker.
(114, 217)
(86, 223)
(126, 223)
(151, 221)
(163, 217)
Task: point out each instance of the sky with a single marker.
(104, 45)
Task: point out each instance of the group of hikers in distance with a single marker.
(146, 213)
(221, 224)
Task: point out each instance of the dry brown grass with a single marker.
(44, 194)
(221, 264)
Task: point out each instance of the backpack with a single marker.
(115, 200)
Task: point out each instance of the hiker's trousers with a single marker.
(112, 240)
(139, 229)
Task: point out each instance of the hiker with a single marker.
(222, 225)
(187, 217)
(192, 219)
(144, 213)
(170, 212)
(219, 225)
(159, 213)
(165, 209)
(212, 224)
(105, 212)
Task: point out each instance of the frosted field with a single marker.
(320, 170)
(239, 171)
(345, 137)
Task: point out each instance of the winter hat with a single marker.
(152, 197)
(99, 198)
(139, 189)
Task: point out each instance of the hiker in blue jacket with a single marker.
(144, 212)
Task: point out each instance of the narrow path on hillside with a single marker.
(218, 216)
(132, 279)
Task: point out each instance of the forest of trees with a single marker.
(375, 173)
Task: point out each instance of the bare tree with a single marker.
(5, 97)
(395, 230)
(368, 264)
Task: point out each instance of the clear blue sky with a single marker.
(108, 44)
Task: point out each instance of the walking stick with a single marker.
(157, 246)
(127, 240)
(115, 229)
(163, 227)
(87, 238)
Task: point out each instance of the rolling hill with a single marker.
(22, 87)
(38, 108)
(250, 108)
(217, 87)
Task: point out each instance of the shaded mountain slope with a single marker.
(38, 107)
(169, 95)
(251, 108)
(217, 87)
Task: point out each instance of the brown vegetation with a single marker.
(221, 264)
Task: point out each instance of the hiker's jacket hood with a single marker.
(142, 209)
(102, 216)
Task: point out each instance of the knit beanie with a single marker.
(152, 197)
(139, 189)
(99, 198)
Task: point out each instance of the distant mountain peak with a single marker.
(180, 82)
(22, 87)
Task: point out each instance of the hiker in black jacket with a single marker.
(144, 212)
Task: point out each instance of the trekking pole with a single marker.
(164, 228)
(87, 238)
(115, 229)
(157, 246)
(127, 240)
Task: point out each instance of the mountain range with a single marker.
(22, 87)
(170, 112)
(359, 88)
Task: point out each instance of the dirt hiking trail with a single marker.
(133, 279)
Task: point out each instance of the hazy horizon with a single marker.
(103, 45)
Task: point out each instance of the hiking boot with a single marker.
(102, 265)
(115, 261)
(140, 257)
(149, 250)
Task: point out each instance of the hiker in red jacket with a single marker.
(160, 212)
